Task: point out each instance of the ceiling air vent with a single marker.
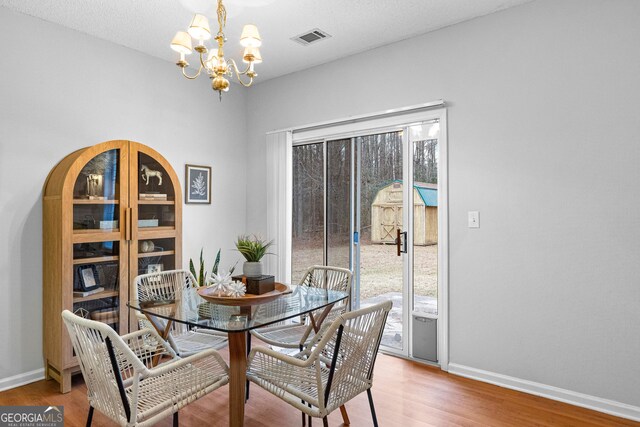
(311, 36)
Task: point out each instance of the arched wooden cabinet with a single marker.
(110, 212)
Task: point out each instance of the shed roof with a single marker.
(428, 192)
(428, 195)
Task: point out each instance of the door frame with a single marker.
(443, 237)
(351, 127)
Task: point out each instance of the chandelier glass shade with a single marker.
(213, 61)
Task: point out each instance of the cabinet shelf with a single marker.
(156, 202)
(94, 230)
(97, 235)
(94, 260)
(95, 202)
(99, 295)
(158, 253)
(156, 232)
(158, 228)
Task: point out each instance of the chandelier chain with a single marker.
(222, 18)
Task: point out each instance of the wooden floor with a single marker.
(405, 394)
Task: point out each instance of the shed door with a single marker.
(390, 220)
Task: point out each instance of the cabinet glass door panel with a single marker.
(96, 194)
(155, 212)
(98, 268)
(97, 276)
(99, 179)
(156, 198)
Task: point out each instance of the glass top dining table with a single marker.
(200, 313)
(237, 321)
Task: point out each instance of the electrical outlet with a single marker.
(474, 219)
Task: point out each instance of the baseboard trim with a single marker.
(21, 379)
(610, 407)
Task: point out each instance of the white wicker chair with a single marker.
(122, 382)
(333, 369)
(181, 286)
(297, 335)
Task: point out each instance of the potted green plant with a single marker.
(252, 249)
(201, 274)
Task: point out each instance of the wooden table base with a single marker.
(237, 377)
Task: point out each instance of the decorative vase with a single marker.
(147, 246)
(252, 269)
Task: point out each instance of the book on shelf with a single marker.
(106, 225)
(152, 196)
(142, 223)
(87, 293)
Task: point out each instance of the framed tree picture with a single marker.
(198, 184)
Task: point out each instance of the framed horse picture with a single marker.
(198, 184)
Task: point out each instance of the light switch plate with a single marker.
(474, 219)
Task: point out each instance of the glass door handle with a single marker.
(401, 242)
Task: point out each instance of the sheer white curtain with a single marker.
(279, 202)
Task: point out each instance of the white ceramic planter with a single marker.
(252, 269)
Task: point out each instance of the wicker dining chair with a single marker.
(334, 368)
(122, 381)
(297, 335)
(181, 287)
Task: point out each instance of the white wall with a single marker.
(61, 90)
(544, 142)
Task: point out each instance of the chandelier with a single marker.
(212, 61)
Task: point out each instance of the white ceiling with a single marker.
(355, 25)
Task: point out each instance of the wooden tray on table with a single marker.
(247, 299)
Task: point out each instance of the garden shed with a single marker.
(386, 213)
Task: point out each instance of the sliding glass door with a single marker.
(425, 150)
(381, 201)
(369, 202)
(307, 227)
(339, 200)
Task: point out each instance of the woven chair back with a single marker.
(173, 285)
(331, 278)
(88, 339)
(359, 341)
